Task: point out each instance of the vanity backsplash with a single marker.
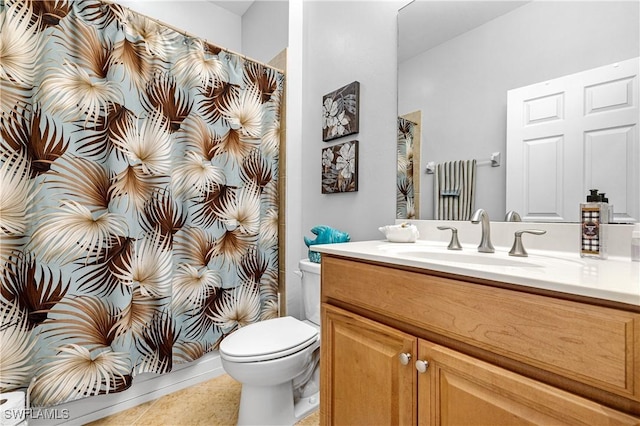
(564, 237)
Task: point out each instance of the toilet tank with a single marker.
(310, 273)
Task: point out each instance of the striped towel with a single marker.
(455, 190)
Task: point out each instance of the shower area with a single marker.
(139, 197)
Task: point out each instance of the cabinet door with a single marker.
(363, 380)
(460, 390)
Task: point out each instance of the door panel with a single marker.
(543, 172)
(595, 115)
(612, 146)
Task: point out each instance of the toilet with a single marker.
(277, 361)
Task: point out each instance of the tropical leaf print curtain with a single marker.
(405, 195)
(138, 197)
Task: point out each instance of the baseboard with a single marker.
(146, 387)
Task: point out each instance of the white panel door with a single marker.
(610, 136)
(536, 140)
(572, 134)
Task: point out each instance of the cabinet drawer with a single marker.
(593, 345)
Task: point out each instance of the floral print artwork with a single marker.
(340, 168)
(340, 115)
(138, 197)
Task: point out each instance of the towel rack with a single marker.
(494, 161)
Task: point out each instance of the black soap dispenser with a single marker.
(593, 214)
(604, 199)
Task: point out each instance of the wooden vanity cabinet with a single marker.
(366, 383)
(377, 321)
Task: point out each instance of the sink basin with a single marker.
(470, 257)
(479, 259)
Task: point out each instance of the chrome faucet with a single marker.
(482, 217)
(512, 216)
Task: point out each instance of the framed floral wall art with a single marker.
(340, 112)
(340, 168)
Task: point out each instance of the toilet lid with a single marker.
(268, 339)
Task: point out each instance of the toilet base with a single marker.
(305, 406)
(273, 405)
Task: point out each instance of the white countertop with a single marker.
(616, 279)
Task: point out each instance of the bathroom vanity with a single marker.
(413, 335)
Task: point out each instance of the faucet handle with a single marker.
(454, 244)
(518, 249)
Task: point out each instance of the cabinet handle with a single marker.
(422, 366)
(404, 358)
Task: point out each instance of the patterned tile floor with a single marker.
(212, 403)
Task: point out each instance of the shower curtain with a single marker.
(405, 190)
(138, 197)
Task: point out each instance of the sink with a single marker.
(485, 259)
(470, 257)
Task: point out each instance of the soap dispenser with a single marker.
(604, 199)
(593, 214)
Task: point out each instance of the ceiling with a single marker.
(424, 24)
(239, 7)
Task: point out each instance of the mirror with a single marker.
(457, 60)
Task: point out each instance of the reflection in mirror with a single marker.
(577, 123)
(408, 158)
(476, 52)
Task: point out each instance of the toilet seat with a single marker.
(267, 340)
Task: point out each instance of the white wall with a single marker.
(293, 178)
(265, 29)
(197, 17)
(461, 85)
(346, 41)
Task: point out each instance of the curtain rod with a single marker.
(190, 35)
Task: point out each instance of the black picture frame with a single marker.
(340, 168)
(341, 112)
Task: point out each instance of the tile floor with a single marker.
(212, 403)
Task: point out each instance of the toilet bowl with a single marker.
(276, 361)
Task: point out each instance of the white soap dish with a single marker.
(402, 233)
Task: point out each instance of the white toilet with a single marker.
(276, 361)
